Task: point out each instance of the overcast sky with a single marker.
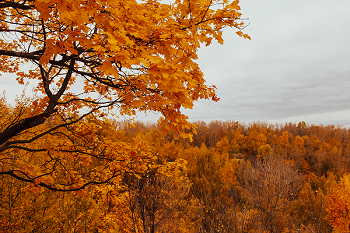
(295, 68)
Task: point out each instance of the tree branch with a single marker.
(24, 124)
(54, 188)
(30, 55)
(16, 5)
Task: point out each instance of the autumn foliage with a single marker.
(164, 183)
(93, 59)
(338, 206)
(70, 163)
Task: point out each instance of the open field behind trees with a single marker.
(231, 177)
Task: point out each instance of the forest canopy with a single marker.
(233, 177)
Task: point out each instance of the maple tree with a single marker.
(310, 206)
(338, 206)
(215, 186)
(97, 56)
(157, 199)
(271, 185)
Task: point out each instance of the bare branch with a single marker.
(29, 179)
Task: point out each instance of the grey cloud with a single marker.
(297, 63)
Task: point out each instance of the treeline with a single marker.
(231, 177)
(314, 148)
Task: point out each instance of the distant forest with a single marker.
(231, 177)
